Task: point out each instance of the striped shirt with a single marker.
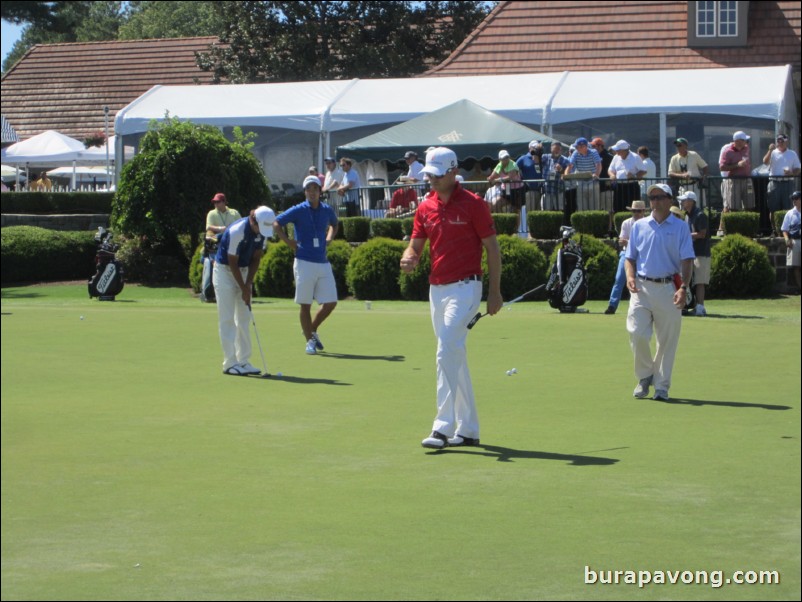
(583, 163)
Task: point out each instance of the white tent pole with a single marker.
(663, 146)
(108, 169)
(73, 175)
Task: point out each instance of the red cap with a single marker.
(219, 197)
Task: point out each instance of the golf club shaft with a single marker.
(258, 342)
(480, 315)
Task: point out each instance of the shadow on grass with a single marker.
(507, 454)
(735, 317)
(349, 356)
(18, 294)
(307, 381)
(725, 404)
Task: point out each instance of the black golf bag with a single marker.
(107, 282)
(207, 294)
(567, 287)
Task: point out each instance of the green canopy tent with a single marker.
(469, 130)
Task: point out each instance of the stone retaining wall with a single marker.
(68, 222)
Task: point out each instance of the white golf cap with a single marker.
(311, 180)
(439, 161)
(739, 136)
(534, 144)
(687, 196)
(265, 217)
(662, 187)
(620, 145)
(502, 154)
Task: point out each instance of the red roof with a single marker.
(64, 87)
(546, 37)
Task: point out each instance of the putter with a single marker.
(265, 373)
(479, 315)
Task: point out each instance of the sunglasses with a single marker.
(658, 197)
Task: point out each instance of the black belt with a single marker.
(474, 278)
(665, 280)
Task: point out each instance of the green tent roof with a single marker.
(469, 130)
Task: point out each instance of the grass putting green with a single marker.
(133, 469)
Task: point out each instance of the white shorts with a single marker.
(792, 257)
(314, 281)
(701, 270)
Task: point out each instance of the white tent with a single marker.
(46, 149)
(537, 100)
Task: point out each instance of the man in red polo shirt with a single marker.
(458, 225)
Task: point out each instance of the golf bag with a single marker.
(207, 294)
(567, 287)
(107, 282)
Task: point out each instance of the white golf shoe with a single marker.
(247, 368)
(311, 347)
(318, 344)
(435, 441)
(642, 390)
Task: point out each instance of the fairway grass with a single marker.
(132, 468)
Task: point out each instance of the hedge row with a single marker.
(31, 254)
(44, 203)
(740, 267)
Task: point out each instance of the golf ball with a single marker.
(514, 370)
(82, 317)
(509, 372)
(279, 374)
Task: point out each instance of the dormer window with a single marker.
(717, 24)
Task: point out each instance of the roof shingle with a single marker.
(64, 87)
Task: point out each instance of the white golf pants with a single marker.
(233, 316)
(452, 307)
(653, 309)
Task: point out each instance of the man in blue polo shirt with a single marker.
(659, 247)
(315, 227)
(235, 265)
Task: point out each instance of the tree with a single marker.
(311, 39)
(164, 190)
(170, 19)
(63, 22)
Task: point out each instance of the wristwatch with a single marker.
(684, 287)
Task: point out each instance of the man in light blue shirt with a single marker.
(660, 249)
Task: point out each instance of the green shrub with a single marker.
(544, 225)
(505, 223)
(779, 216)
(30, 254)
(746, 223)
(595, 223)
(355, 229)
(339, 254)
(601, 263)
(407, 224)
(373, 271)
(151, 262)
(619, 218)
(196, 270)
(56, 202)
(740, 267)
(415, 286)
(523, 267)
(275, 277)
(386, 228)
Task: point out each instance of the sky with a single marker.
(11, 33)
